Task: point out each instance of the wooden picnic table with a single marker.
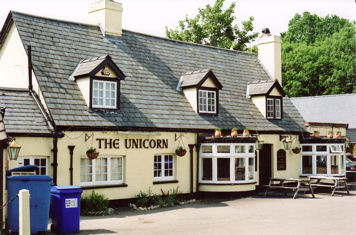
(289, 184)
(333, 182)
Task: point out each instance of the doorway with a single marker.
(265, 165)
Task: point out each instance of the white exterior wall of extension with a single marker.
(269, 54)
(14, 64)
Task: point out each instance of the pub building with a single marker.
(68, 87)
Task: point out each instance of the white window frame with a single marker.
(20, 161)
(205, 95)
(163, 177)
(94, 182)
(271, 109)
(232, 156)
(105, 96)
(328, 153)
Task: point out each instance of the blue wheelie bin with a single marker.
(39, 187)
(65, 209)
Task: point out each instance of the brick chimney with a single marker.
(269, 54)
(108, 15)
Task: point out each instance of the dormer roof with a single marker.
(91, 66)
(264, 87)
(197, 78)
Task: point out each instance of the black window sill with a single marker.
(215, 184)
(104, 186)
(166, 182)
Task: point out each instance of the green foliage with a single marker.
(150, 199)
(214, 26)
(318, 56)
(93, 204)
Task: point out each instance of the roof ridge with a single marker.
(130, 31)
(322, 96)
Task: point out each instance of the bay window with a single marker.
(101, 171)
(322, 159)
(227, 163)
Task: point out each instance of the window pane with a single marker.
(251, 149)
(321, 165)
(307, 165)
(101, 169)
(116, 169)
(239, 149)
(270, 113)
(207, 149)
(157, 166)
(207, 169)
(278, 108)
(251, 167)
(335, 148)
(342, 164)
(281, 160)
(85, 170)
(168, 165)
(223, 148)
(26, 162)
(335, 164)
(240, 169)
(321, 148)
(307, 148)
(223, 169)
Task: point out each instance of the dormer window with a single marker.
(201, 88)
(274, 107)
(99, 81)
(207, 101)
(268, 98)
(104, 94)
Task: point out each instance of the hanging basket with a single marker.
(296, 150)
(92, 153)
(181, 153)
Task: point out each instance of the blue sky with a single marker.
(152, 16)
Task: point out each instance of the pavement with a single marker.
(274, 214)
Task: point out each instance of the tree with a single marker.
(318, 56)
(214, 26)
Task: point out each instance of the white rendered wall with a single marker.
(191, 95)
(260, 102)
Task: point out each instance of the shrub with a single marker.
(93, 204)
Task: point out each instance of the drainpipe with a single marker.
(191, 148)
(29, 68)
(3, 145)
(49, 120)
(197, 148)
(71, 149)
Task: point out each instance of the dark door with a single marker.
(265, 165)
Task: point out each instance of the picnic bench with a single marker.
(285, 184)
(332, 182)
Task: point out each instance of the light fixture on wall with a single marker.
(13, 150)
(259, 144)
(287, 142)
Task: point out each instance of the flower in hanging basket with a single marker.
(296, 150)
(181, 151)
(92, 153)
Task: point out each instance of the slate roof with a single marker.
(152, 66)
(329, 109)
(194, 78)
(263, 87)
(22, 115)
